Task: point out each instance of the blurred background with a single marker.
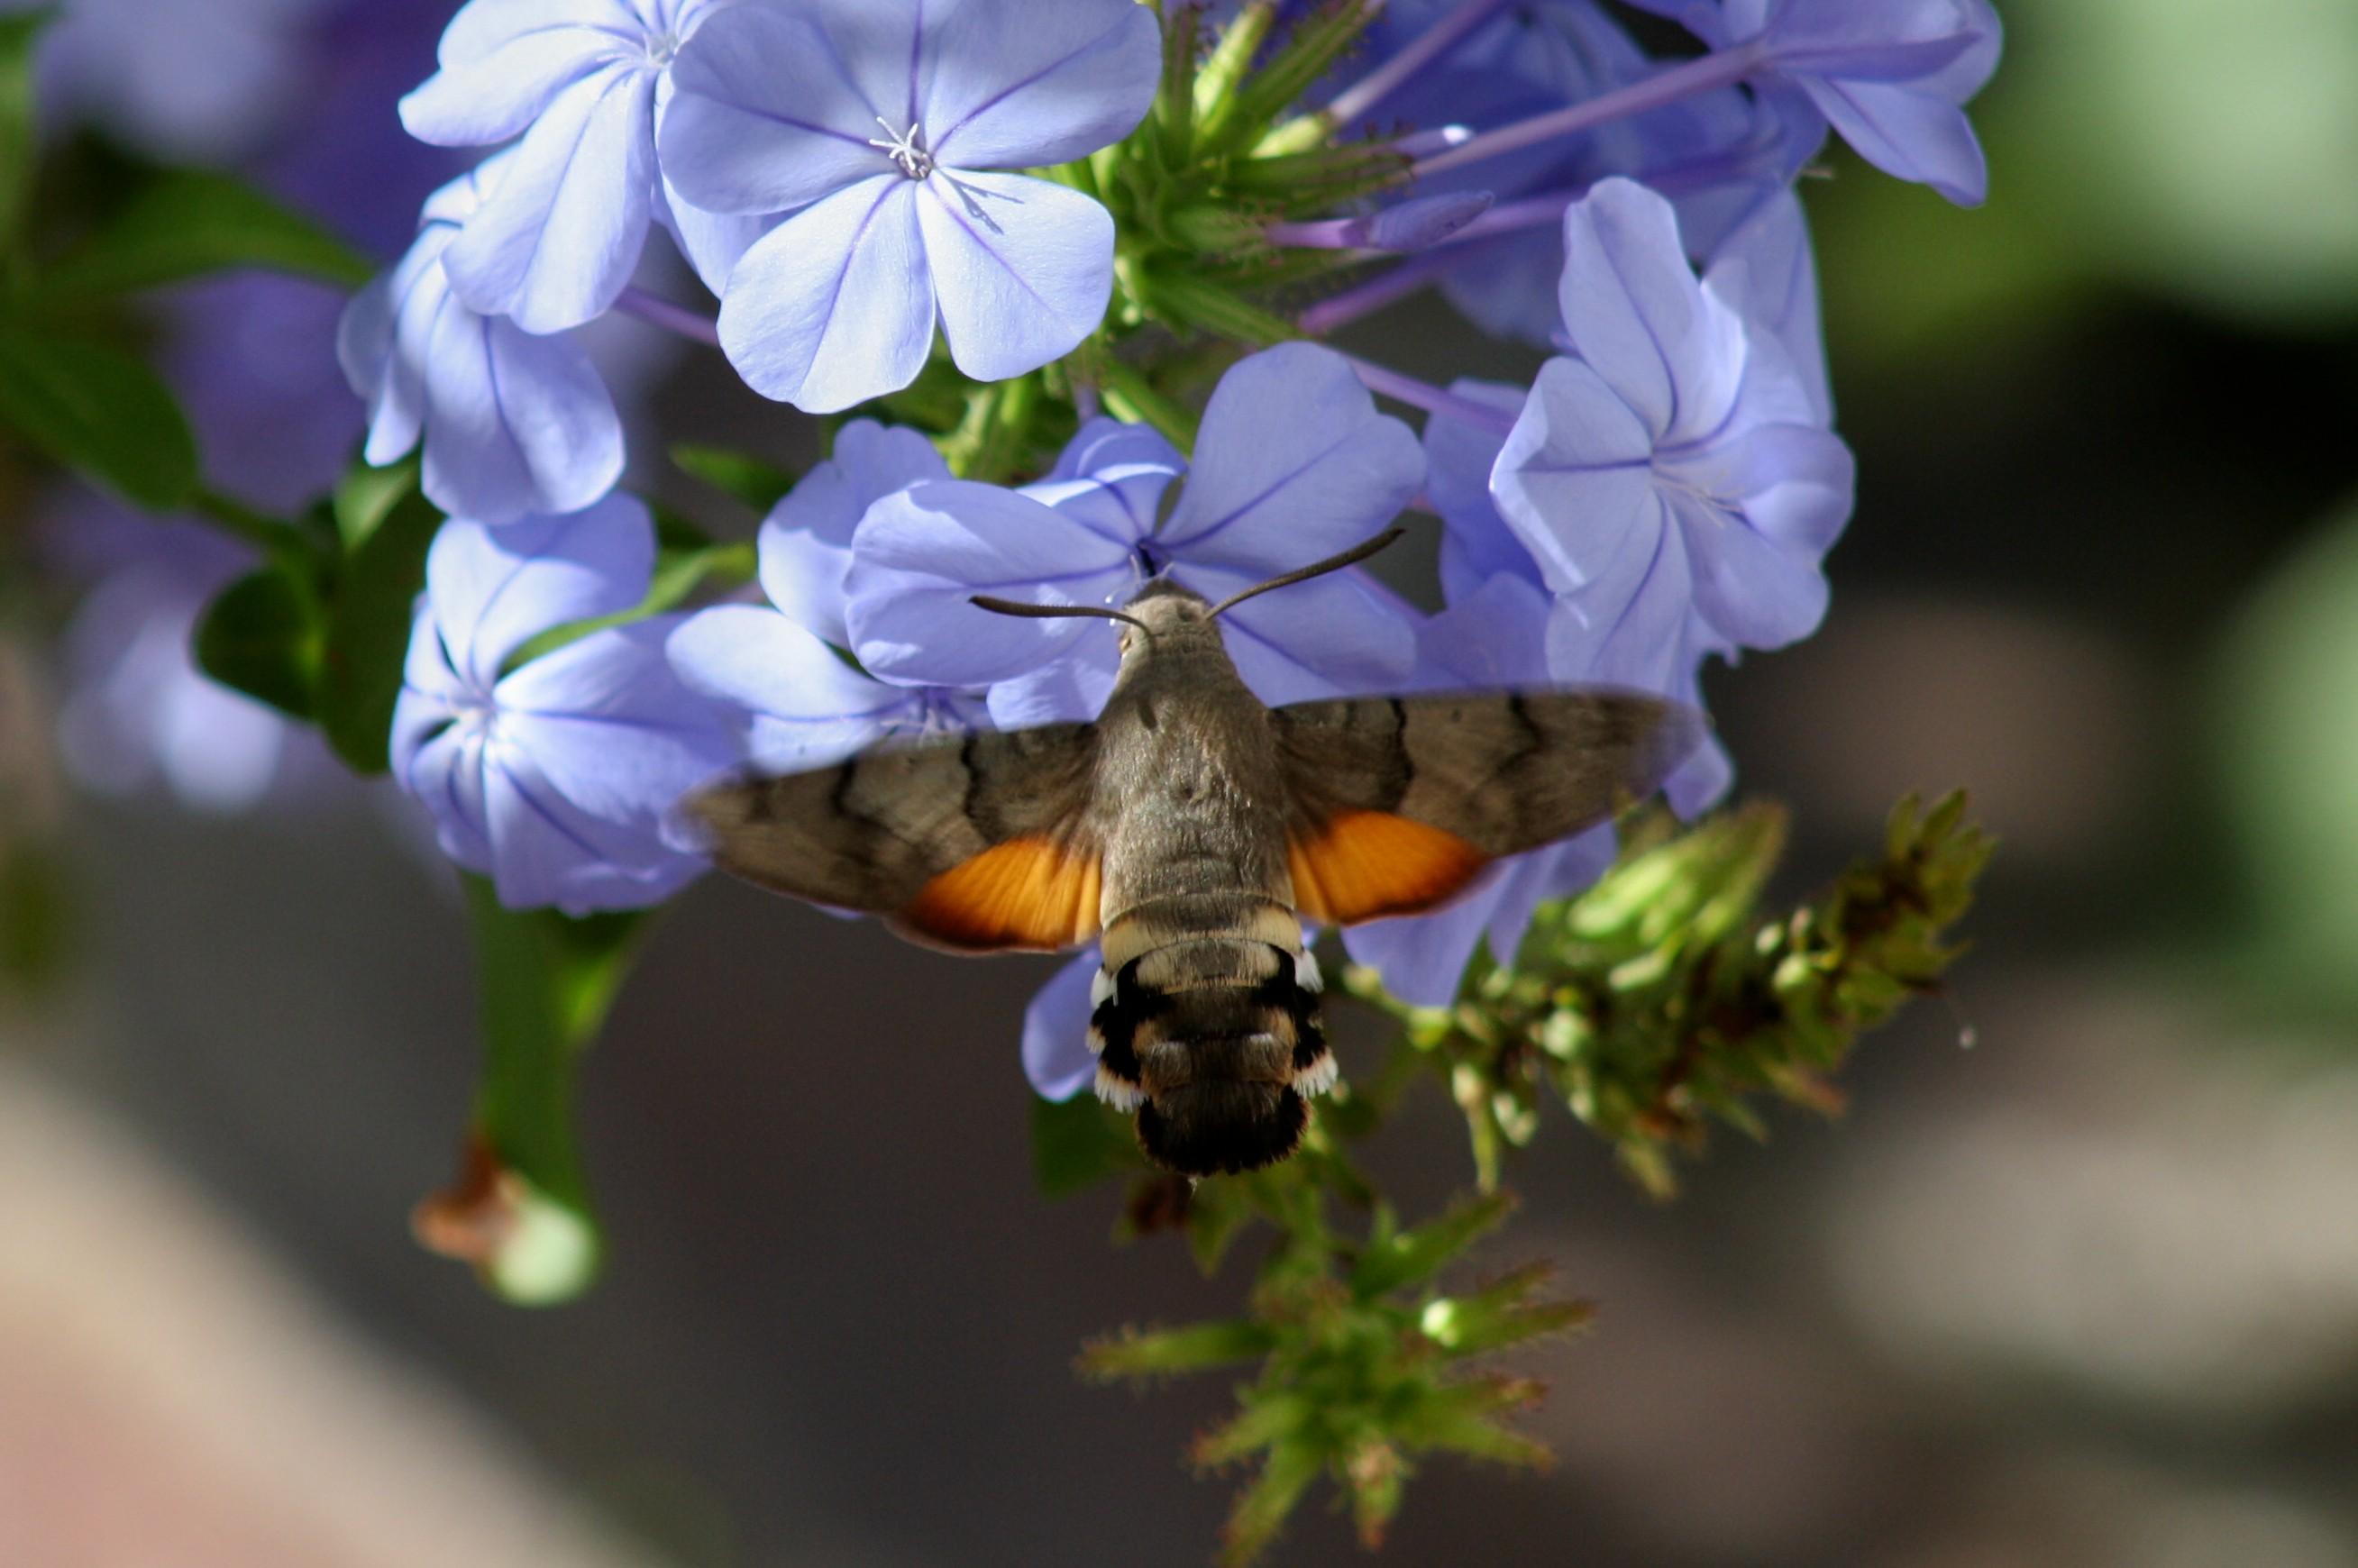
(2085, 1292)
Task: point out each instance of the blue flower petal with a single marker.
(515, 424)
(1423, 958)
(1069, 76)
(389, 383)
(1575, 474)
(1493, 634)
(493, 589)
(1112, 476)
(611, 726)
(805, 542)
(1105, 450)
(1070, 691)
(1023, 268)
(481, 27)
(1634, 311)
(560, 235)
(1631, 625)
(502, 63)
(1293, 464)
(763, 116)
(834, 305)
(803, 706)
(1057, 1032)
(713, 242)
(1340, 635)
(546, 850)
(884, 50)
(918, 556)
(1765, 272)
(440, 764)
(1747, 588)
(1476, 543)
(1892, 78)
(1907, 134)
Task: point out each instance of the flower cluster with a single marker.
(843, 174)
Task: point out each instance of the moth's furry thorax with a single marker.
(1174, 622)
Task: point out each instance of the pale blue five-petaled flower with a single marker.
(557, 778)
(877, 125)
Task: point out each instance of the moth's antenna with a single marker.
(1351, 556)
(1049, 612)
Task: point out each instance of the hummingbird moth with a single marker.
(1191, 830)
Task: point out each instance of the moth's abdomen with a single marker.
(1215, 1041)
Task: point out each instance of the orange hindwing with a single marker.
(1364, 865)
(1027, 892)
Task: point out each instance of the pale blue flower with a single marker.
(798, 702)
(805, 542)
(1057, 1056)
(877, 122)
(1293, 464)
(133, 710)
(1718, 154)
(1765, 272)
(581, 81)
(554, 779)
(514, 424)
(1892, 76)
(1612, 631)
(1673, 465)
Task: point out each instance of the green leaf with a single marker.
(1261, 1510)
(758, 484)
(1414, 1255)
(365, 495)
(100, 412)
(262, 636)
(1167, 1352)
(19, 132)
(185, 222)
(1076, 1143)
(544, 982)
(368, 629)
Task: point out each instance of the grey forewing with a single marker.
(872, 831)
(1507, 771)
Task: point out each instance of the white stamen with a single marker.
(907, 150)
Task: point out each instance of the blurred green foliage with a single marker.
(2283, 719)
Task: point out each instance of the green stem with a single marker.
(1129, 396)
(239, 521)
(1218, 84)
(993, 442)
